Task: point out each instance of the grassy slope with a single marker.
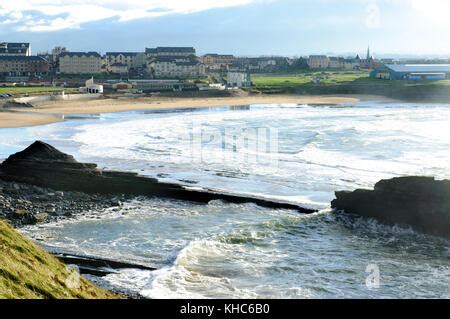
(28, 272)
(346, 83)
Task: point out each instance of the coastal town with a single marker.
(162, 69)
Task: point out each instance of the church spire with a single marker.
(368, 53)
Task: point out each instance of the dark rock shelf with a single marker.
(43, 165)
(97, 266)
(420, 202)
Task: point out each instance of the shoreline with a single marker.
(50, 112)
(24, 119)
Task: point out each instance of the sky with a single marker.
(240, 27)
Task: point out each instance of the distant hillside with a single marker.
(27, 271)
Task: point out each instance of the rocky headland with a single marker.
(46, 167)
(422, 203)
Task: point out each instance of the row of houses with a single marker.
(178, 62)
(325, 62)
(16, 62)
(170, 62)
(160, 62)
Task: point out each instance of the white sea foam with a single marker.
(229, 250)
(320, 149)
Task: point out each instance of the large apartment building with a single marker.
(126, 61)
(126, 58)
(318, 61)
(80, 63)
(176, 67)
(23, 65)
(13, 49)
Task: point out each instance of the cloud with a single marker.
(435, 11)
(53, 15)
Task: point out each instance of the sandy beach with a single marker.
(52, 111)
(18, 119)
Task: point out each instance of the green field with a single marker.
(290, 81)
(352, 83)
(33, 90)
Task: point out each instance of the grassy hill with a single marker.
(28, 272)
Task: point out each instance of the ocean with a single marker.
(294, 153)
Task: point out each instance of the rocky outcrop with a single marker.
(420, 202)
(43, 165)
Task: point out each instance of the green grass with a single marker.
(343, 78)
(29, 272)
(279, 81)
(33, 90)
(299, 80)
(443, 83)
(352, 83)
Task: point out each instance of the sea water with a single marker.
(294, 153)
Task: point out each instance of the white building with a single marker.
(92, 88)
(80, 63)
(239, 79)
